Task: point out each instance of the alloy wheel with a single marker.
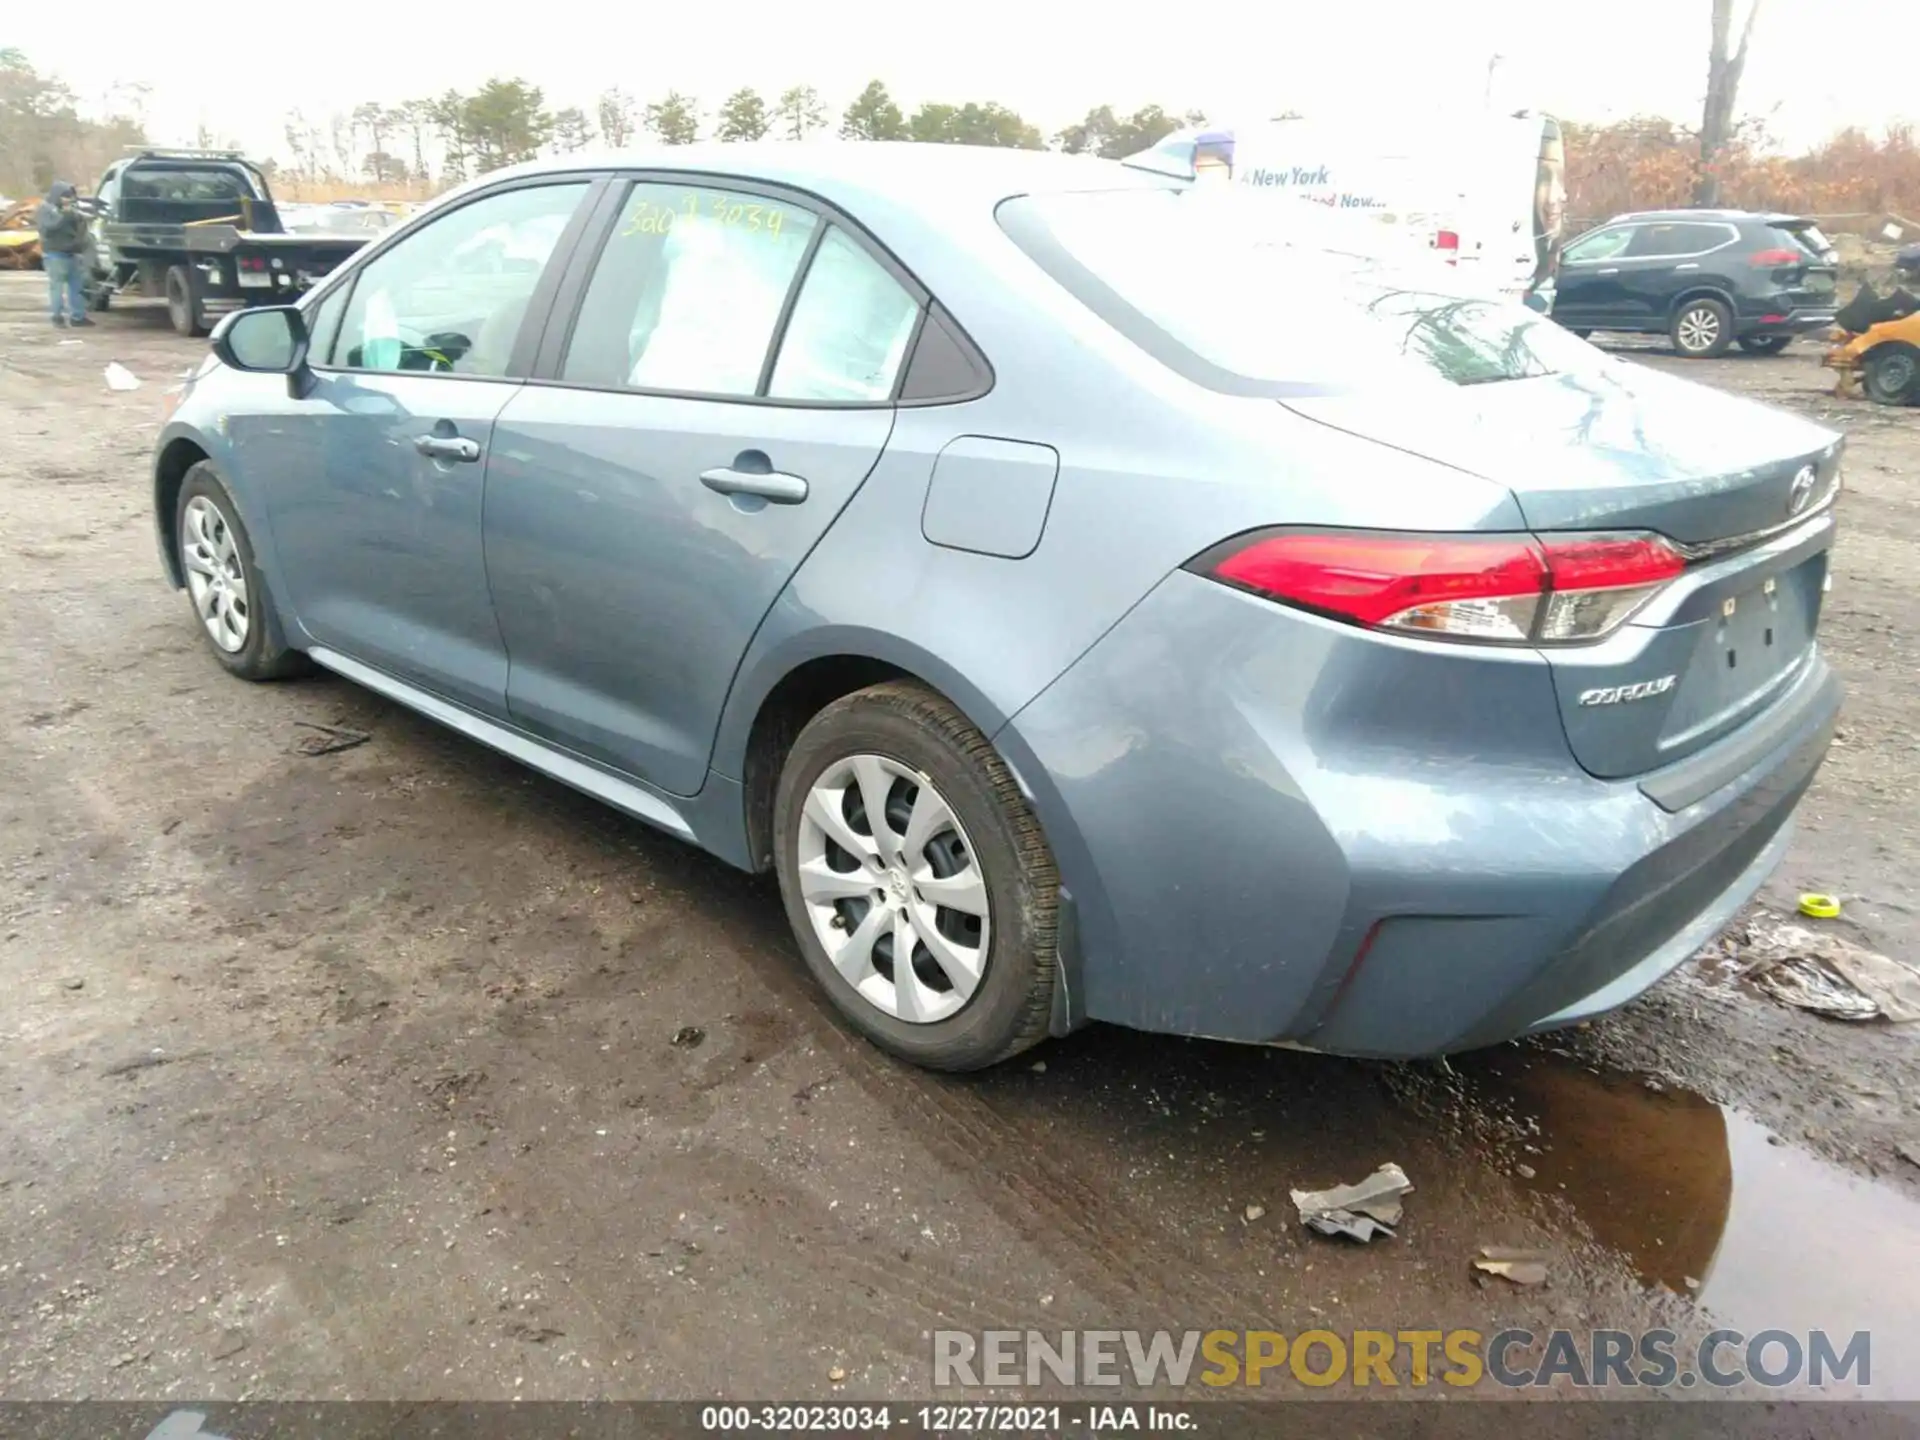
(216, 580)
(893, 888)
(1699, 329)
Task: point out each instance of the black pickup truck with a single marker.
(200, 228)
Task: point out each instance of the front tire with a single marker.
(1702, 329)
(228, 593)
(1765, 344)
(954, 877)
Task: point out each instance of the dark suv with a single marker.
(1705, 278)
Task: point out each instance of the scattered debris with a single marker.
(1254, 1212)
(1525, 1172)
(1357, 1211)
(837, 1374)
(1831, 976)
(231, 1342)
(73, 982)
(327, 739)
(534, 1334)
(1522, 1267)
(688, 1036)
(1820, 907)
(1039, 1067)
(121, 378)
(1908, 1153)
(149, 1062)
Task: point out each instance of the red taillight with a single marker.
(1518, 589)
(1448, 241)
(1768, 259)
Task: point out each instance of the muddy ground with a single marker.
(356, 1075)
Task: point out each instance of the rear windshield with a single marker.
(183, 184)
(1258, 294)
(1807, 237)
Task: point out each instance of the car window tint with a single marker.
(849, 329)
(323, 325)
(450, 298)
(688, 291)
(1601, 245)
(1675, 239)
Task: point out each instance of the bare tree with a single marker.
(1723, 88)
(617, 125)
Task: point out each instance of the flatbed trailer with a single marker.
(199, 228)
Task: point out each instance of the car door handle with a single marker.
(1610, 270)
(1690, 265)
(767, 484)
(447, 447)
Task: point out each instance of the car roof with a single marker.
(927, 177)
(1765, 217)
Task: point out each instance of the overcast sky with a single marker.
(1816, 64)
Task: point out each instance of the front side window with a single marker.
(688, 291)
(450, 299)
(850, 328)
(1601, 245)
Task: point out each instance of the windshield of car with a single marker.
(1282, 292)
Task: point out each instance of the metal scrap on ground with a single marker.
(1522, 1267)
(327, 739)
(1357, 1211)
(1830, 975)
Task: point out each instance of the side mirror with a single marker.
(267, 340)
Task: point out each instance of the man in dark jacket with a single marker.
(63, 250)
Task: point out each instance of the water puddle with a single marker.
(1708, 1202)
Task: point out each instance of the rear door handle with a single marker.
(1610, 270)
(447, 447)
(768, 484)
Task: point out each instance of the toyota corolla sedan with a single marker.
(1094, 597)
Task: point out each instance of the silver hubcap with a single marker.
(893, 888)
(215, 578)
(1699, 329)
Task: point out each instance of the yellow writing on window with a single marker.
(653, 217)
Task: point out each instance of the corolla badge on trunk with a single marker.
(1620, 694)
(1801, 494)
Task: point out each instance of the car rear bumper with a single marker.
(1277, 828)
(1793, 322)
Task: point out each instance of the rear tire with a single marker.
(1765, 344)
(954, 827)
(1891, 374)
(1702, 329)
(230, 599)
(1577, 330)
(184, 305)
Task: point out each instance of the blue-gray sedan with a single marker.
(1096, 598)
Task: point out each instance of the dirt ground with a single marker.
(357, 1075)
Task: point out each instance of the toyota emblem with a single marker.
(1801, 495)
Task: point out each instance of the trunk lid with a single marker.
(1616, 447)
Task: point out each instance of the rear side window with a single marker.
(1677, 238)
(849, 330)
(688, 291)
